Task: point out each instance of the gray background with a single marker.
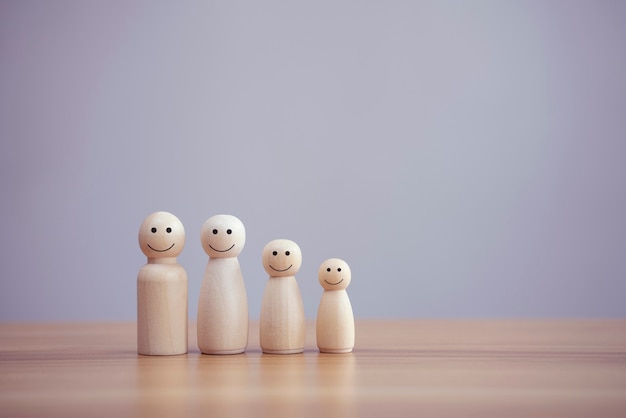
(467, 158)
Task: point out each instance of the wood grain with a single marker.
(223, 302)
(282, 321)
(398, 368)
(162, 288)
(335, 320)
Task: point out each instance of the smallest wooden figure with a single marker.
(335, 320)
(161, 288)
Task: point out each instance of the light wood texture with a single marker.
(282, 322)
(397, 368)
(499, 368)
(162, 302)
(335, 320)
(223, 303)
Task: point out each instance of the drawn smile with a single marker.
(333, 284)
(161, 251)
(282, 269)
(221, 251)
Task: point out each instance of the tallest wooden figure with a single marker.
(162, 287)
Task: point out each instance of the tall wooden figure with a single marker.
(223, 304)
(335, 321)
(282, 325)
(162, 287)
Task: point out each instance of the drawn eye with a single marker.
(153, 230)
(274, 252)
(287, 253)
(229, 231)
(338, 268)
(328, 269)
(214, 231)
(168, 230)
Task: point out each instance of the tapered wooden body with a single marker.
(335, 323)
(223, 308)
(162, 309)
(282, 322)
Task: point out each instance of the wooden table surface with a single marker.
(476, 368)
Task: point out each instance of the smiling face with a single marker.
(281, 258)
(334, 274)
(161, 235)
(223, 236)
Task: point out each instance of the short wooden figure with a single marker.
(335, 321)
(282, 323)
(223, 303)
(161, 288)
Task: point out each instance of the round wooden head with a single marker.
(223, 236)
(161, 235)
(334, 274)
(282, 257)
